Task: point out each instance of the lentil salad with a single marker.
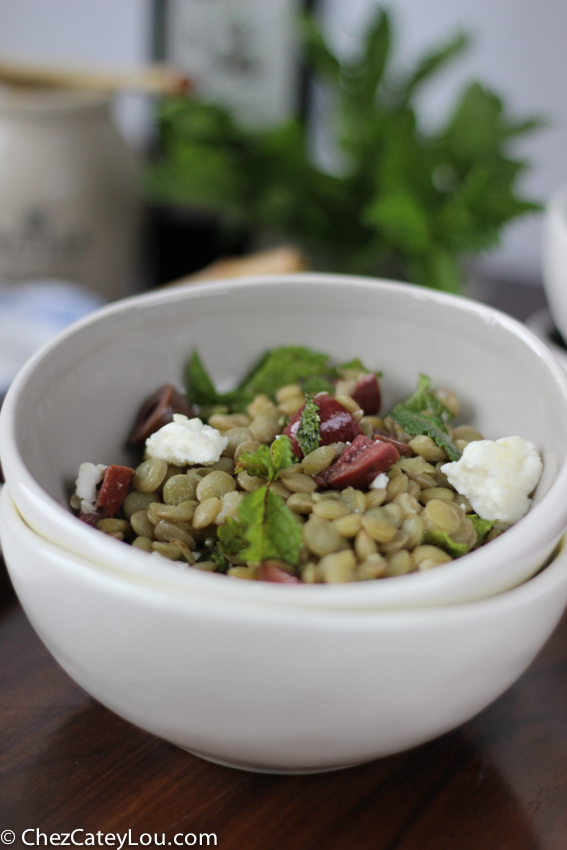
(306, 482)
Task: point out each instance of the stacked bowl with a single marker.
(269, 676)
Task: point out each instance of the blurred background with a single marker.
(277, 137)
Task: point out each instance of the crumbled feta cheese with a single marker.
(496, 477)
(380, 482)
(90, 474)
(186, 441)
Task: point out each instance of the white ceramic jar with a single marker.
(69, 206)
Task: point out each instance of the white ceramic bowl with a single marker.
(274, 688)
(76, 399)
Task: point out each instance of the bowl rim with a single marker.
(415, 589)
(545, 581)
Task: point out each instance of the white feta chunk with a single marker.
(496, 477)
(380, 482)
(186, 441)
(90, 474)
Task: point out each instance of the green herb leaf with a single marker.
(272, 529)
(231, 535)
(200, 388)
(395, 204)
(268, 462)
(275, 369)
(365, 76)
(402, 219)
(354, 365)
(422, 413)
(230, 540)
(443, 541)
(318, 53)
(414, 425)
(282, 453)
(308, 435)
(433, 62)
(258, 463)
(318, 384)
(281, 366)
(423, 401)
(481, 526)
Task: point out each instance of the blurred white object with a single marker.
(554, 257)
(543, 326)
(68, 192)
(33, 313)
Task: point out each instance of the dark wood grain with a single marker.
(497, 783)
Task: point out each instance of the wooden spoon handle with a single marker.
(153, 79)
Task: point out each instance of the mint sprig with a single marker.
(422, 400)
(266, 527)
(292, 364)
(271, 529)
(307, 435)
(421, 414)
(268, 462)
(416, 425)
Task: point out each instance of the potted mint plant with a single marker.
(407, 203)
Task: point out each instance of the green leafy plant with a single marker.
(407, 203)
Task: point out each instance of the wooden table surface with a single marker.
(66, 763)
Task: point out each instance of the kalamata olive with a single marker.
(92, 517)
(158, 411)
(367, 394)
(385, 437)
(359, 464)
(337, 424)
(114, 488)
(269, 572)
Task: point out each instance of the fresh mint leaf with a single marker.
(365, 76)
(414, 425)
(217, 556)
(282, 366)
(258, 463)
(481, 526)
(318, 384)
(200, 388)
(230, 540)
(423, 401)
(308, 436)
(354, 365)
(402, 219)
(275, 369)
(442, 540)
(231, 535)
(422, 413)
(432, 62)
(268, 462)
(282, 454)
(390, 207)
(318, 53)
(272, 530)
